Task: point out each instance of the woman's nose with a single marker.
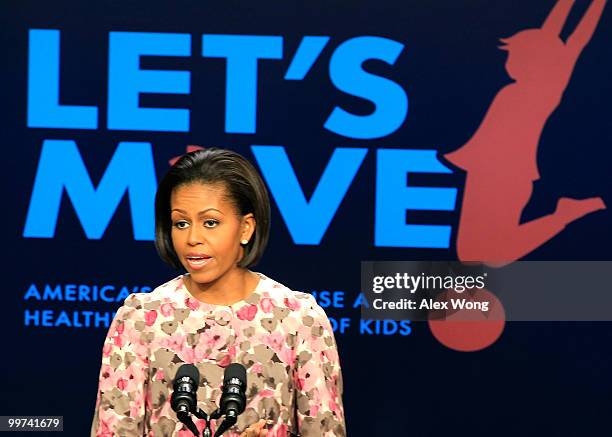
(194, 236)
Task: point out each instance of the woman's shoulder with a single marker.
(268, 291)
(284, 296)
(164, 292)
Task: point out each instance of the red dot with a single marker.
(468, 330)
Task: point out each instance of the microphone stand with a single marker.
(230, 419)
(183, 416)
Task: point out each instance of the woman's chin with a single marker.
(204, 276)
(199, 276)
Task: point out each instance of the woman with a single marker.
(212, 218)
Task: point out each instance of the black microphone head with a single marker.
(190, 371)
(235, 370)
(186, 382)
(233, 398)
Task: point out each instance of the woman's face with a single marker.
(207, 230)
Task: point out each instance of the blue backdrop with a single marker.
(328, 100)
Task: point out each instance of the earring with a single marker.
(244, 241)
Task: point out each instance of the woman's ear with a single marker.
(248, 227)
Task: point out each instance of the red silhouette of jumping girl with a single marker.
(501, 157)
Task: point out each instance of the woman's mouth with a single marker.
(197, 262)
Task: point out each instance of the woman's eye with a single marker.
(179, 225)
(210, 223)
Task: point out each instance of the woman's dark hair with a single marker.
(245, 190)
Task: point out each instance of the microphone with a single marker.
(184, 397)
(233, 397)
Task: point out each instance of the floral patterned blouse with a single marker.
(282, 337)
